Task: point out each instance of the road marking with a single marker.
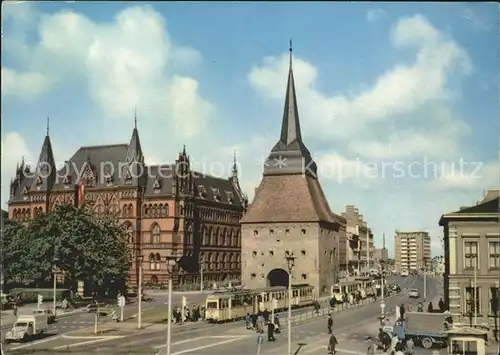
(321, 347)
(84, 343)
(208, 346)
(36, 342)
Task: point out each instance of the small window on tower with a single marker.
(255, 232)
(303, 231)
(271, 231)
(287, 232)
(304, 276)
(303, 252)
(271, 253)
(253, 276)
(254, 253)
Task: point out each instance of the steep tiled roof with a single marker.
(158, 181)
(289, 198)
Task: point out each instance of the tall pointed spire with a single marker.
(134, 152)
(135, 117)
(290, 155)
(234, 172)
(46, 168)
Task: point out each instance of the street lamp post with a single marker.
(494, 308)
(425, 282)
(201, 273)
(140, 259)
(290, 259)
(171, 263)
(471, 302)
(54, 301)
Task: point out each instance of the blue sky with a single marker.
(379, 85)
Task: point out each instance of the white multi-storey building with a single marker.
(412, 250)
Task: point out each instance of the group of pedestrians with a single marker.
(259, 321)
(195, 314)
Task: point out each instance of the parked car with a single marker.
(104, 310)
(413, 293)
(51, 318)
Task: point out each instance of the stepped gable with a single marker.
(290, 190)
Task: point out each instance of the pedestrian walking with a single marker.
(248, 321)
(430, 307)
(441, 305)
(410, 347)
(402, 312)
(371, 346)
(332, 344)
(270, 332)
(277, 324)
(330, 324)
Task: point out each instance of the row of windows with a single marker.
(212, 261)
(24, 214)
(472, 302)
(254, 276)
(220, 236)
(271, 232)
(471, 255)
(212, 214)
(271, 253)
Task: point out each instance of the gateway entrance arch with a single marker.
(277, 277)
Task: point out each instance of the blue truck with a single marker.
(425, 329)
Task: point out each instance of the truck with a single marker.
(27, 327)
(425, 329)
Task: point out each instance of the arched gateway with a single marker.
(277, 277)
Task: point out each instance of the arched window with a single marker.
(151, 261)
(158, 261)
(221, 236)
(209, 236)
(231, 261)
(218, 259)
(209, 261)
(227, 237)
(155, 234)
(131, 210)
(155, 210)
(215, 233)
(167, 210)
(224, 261)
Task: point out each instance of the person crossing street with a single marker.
(330, 324)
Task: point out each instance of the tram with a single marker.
(233, 305)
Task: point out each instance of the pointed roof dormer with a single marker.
(46, 167)
(134, 152)
(290, 156)
(134, 170)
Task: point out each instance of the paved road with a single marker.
(350, 326)
(83, 320)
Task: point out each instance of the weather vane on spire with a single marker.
(135, 117)
(48, 125)
(290, 49)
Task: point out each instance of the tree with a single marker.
(14, 237)
(77, 244)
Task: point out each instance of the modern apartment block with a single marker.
(412, 250)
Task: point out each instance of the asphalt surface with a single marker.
(69, 323)
(350, 326)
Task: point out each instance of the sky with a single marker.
(398, 102)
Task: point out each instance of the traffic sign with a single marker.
(121, 301)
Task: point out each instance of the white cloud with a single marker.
(474, 176)
(125, 63)
(409, 99)
(373, 15)
(28, 85)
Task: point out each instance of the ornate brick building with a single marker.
(165, 208)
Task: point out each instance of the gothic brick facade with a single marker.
(166, 208)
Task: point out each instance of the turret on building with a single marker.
(290, 213)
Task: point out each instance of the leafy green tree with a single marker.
(13, 239)
(78, 244)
